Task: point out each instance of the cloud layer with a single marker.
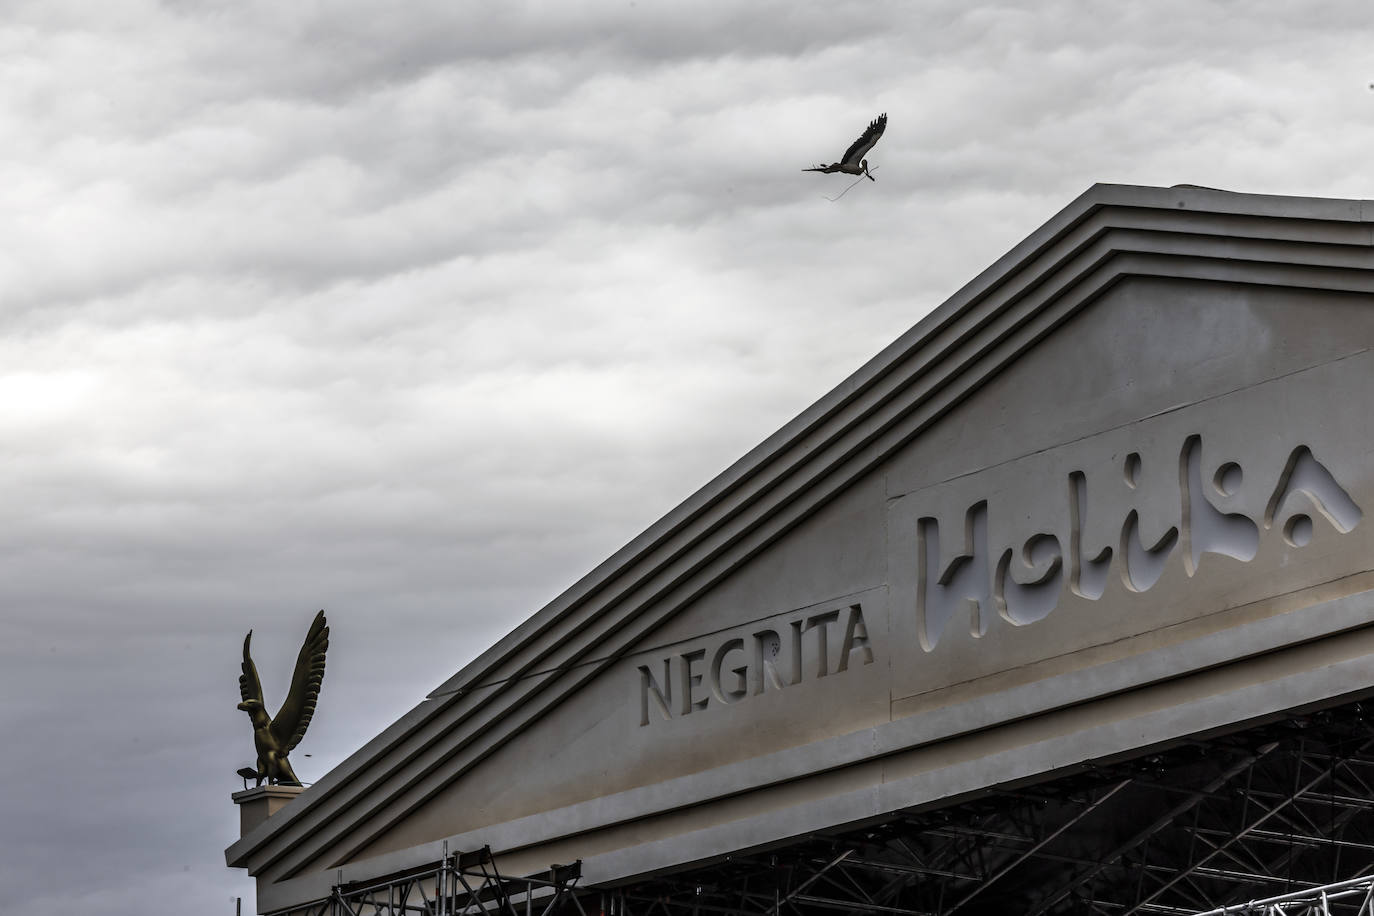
(417, 312)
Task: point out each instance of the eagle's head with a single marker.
(254, 709)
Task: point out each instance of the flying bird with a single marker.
(854, 162)
(275, 737)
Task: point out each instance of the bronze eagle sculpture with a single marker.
(275, 737)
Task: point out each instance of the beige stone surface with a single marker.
(258, 804)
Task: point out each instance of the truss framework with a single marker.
(1266, 821)
(466, 884)
(1276, 820)
(1317, 901)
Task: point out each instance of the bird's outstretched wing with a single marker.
(860, 147)
(288, 727)
(250, 688)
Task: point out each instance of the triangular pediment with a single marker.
(983, 482)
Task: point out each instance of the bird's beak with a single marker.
(243, 706)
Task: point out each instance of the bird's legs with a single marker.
(285, 775)
(857, 181)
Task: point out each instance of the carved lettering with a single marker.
(796, 626)
(964, 583)
(767, 645)
(1022, 604)
(1206, 529)
(808, 637)
(1023, 585)
(855, 639)
(689, 680)
(1027, 589)
(1142, 566)
(1087, 580)
(741, 673)
(1306, 475)
(650, 689)
(821, 623)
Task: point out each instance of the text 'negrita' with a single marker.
(737, 668)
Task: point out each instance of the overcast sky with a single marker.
(416, 312)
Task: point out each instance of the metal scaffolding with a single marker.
(1273, 816)
(1275, 820)
(1317, 901)
(466, 884)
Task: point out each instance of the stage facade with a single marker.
(1060, 603)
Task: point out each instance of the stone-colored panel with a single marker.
(1148, 345)
(1199, 509)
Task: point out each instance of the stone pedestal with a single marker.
(257, 805)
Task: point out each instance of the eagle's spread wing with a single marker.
(860, 147)
(291, 720)
(250, 688)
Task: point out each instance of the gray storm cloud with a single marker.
(416, 313)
